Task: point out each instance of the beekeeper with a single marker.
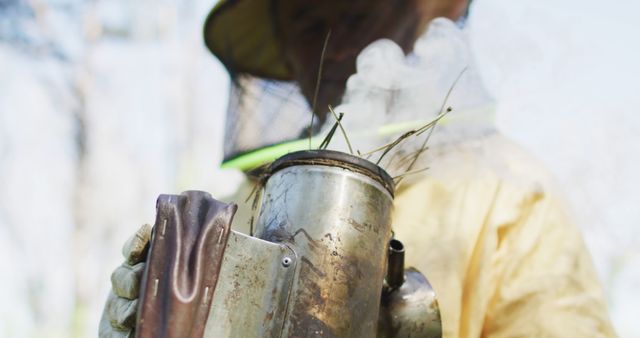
(484, 223)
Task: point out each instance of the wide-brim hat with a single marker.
(241, 34)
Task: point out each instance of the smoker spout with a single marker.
(395, 269)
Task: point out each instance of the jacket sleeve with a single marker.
(544, 283)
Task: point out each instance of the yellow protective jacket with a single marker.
(497, 244)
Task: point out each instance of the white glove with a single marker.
(119, 314)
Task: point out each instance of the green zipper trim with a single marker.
(268, 154)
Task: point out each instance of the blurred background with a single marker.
(105, 104)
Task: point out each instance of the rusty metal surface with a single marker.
(252, 292)
(187, 246)
(337, 220)
(411, 310)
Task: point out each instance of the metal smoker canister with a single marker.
(333, 210)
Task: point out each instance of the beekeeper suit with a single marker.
(478, 216)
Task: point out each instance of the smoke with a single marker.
(394, 91)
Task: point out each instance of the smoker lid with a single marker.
(335, 159)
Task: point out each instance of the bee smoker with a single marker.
(322, 261)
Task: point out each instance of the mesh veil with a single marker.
(263, 112)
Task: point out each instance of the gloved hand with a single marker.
(119, 314)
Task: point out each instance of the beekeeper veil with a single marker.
(390, 94)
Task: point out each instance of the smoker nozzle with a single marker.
(395, 269)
